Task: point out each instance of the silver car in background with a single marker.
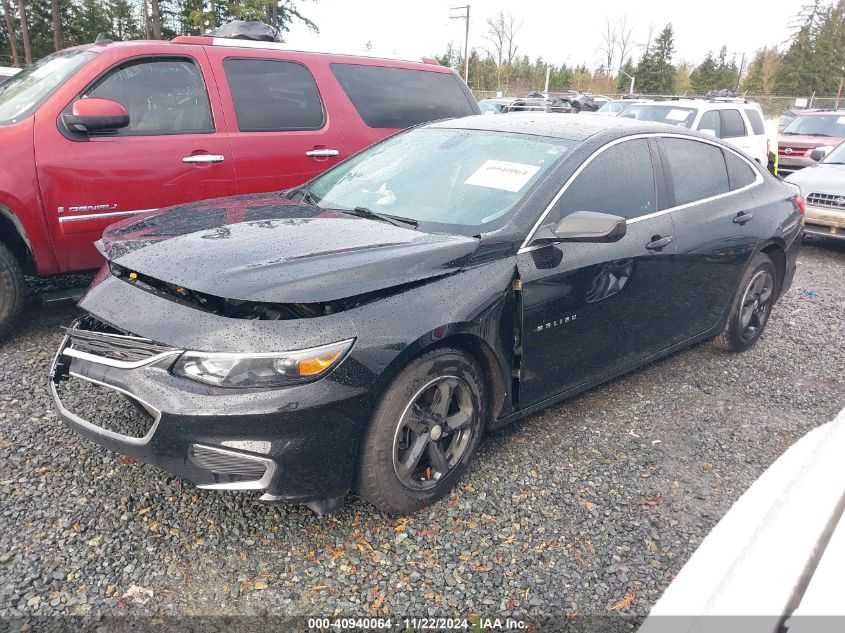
(823, 189)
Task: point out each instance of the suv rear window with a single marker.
(274, 96)
(755, 120)
(399, 97)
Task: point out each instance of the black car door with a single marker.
(590, 308)
(715, 228)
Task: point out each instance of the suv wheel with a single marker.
(424, 432)
(11, 290)
(751, 306)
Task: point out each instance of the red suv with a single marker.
(817, 129)
(108, 130)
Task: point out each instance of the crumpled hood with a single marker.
(268, 249)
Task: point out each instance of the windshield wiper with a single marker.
(364, 212)
(307, 196)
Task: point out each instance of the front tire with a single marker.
(11, 290)
(424, 432)
(751, 307)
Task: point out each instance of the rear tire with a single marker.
(12, 290)
(751, 306)
(424, 432)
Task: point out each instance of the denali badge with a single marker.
(89, 207)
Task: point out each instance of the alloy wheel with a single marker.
(434, 433)
(756, 304)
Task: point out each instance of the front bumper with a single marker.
(790, 164)
(825, 222)
(298, 444)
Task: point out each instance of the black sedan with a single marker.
(364, 331)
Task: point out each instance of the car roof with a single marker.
(572, 127)
(822, 113)
(207, 40)
(700, 104)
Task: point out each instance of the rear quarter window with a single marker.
(756, 121)
(400, 97)
(740, 173)
(732, 124)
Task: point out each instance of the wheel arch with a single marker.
(494, 368)
(776, 251)
(13, 235)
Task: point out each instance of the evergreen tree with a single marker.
(655, 73)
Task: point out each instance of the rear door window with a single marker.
(756, 121)
(732, 124)
(400, 97)
(696, 169)
(711, 121)
(273, 95)
(162, 96)
(619, 181)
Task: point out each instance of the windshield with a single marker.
(817, 125)
(488, 106)
(450, 180)
(22, 94)
(614, 106)
(670, 114)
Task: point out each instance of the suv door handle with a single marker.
(658, 243)
(322, 152)
(742, 217)
(203, 158)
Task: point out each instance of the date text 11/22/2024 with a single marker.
(416, 624)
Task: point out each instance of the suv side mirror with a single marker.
(586, 226)
(93, 114)
(819, 153)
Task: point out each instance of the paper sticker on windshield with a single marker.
(841, 120)
(677, 115)
(501, 174)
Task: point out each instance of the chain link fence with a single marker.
(772, 105)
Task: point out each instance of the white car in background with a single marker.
(823, 188)
(6, 72)
(734, 120)
(775, 563)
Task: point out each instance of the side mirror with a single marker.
(708, 131)
(93, 115)
(819, 153)
(586, 226)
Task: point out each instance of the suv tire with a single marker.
(11, 290)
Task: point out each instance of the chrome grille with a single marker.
(94, 337)
(830, 200)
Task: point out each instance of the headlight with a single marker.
(225, 369)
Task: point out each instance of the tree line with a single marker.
(812, 60)
(31, 29)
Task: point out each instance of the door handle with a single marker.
(203, 158)
(322, 152)
(742, 217)
(658, 243)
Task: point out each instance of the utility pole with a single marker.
(739, 76)
(631, 91)
(466, 37)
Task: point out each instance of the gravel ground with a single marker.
(587, 508)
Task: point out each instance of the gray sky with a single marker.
(560, 31)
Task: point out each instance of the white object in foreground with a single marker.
(777, 555)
